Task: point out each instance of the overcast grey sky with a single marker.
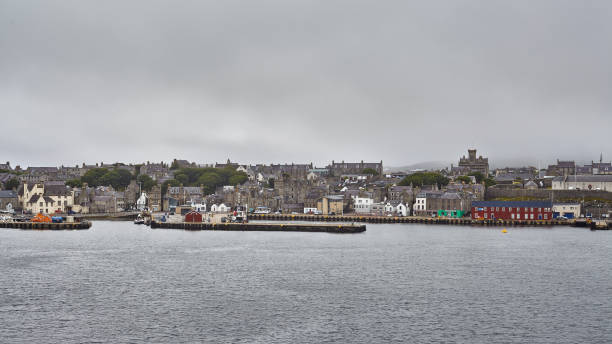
(302, 81)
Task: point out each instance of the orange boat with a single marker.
(41, 218)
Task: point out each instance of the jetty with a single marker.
(407, 219)
(267, 227)
(47, 225)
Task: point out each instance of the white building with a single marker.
(141, 202)
(363, 205)
(46, 198)
(402, 209)
(396, 208)
(219, 208)
(420, 204)
(569, 210)
(583, 182)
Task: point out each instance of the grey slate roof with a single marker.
(8, 194)
(513, 204)
(596, 178)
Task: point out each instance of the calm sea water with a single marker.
(123, 283)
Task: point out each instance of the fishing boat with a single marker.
(139, 220)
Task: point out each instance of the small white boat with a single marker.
(139, 220)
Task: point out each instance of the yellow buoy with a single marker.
(504, 231)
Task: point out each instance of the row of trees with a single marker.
(208, 177)
(431, 178)
(12, 183)
(425, 178)
(115, 177)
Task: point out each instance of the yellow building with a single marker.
(331, 205)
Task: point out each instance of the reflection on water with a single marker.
(408, 283)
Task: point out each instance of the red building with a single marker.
(512, 210)
(193, 216)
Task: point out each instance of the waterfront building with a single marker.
(396, 208)
(46, 198)
(363, 205)
(401, 193)
(583, 182)
(9, 201)
(512, 210)
(568, 210)
(331, 205)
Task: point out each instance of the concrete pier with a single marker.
(406, 219)
(47, 225)
(274, 227)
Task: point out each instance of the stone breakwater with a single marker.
(406, 219)
(268, 227)
(47, 225)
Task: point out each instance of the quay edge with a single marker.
(269, 227)
(47, 225)
(405, 219)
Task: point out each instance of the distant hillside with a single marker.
(427, 165)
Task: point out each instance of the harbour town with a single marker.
(176, 193)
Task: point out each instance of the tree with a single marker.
(182, 178)
(11, 184)
(464, 179)
(136, 171)
(478, 175)
(168, 183)
(174, 165)
(210, 181)
(270, 183)
(424, 178)
(74, 183)
(93, 176)
(238, 178)
(489, 182)
(369, 171)
(125, 177)
(147, 182)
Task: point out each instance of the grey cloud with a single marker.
(302, 81)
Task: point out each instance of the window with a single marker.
(532, 216)
(526, 216)
(545, 217)
(512, 216)
(485, 216)
(503, 208)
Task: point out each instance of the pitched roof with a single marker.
(56, 190)
(513, 204)
(8, 194)
(34, 198)
(589, 178)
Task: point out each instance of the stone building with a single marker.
(562, 168)
(185, 194)
(340, 168)
(471, 163)
(155, 199)
(46, 198)
(9, 201)
(403, 194)
(583, 182)
(331, 204)
(155, 171)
